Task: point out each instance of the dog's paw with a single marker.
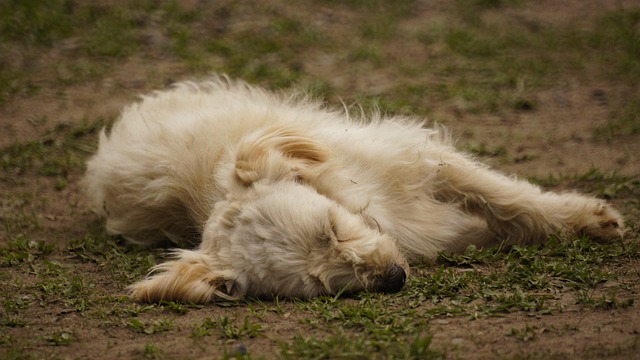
(185, 280)
(602, 222)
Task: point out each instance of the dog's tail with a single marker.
(191, 277)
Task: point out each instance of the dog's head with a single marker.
(285, 239)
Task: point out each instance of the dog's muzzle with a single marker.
(394, 279)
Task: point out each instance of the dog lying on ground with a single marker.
(287, 198)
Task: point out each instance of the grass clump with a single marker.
(58, 153)
(617, 33)
(266, 52)
(21, 250)
(62, 338)
(521, 279)
(227, 328)
(608, 185)
(622, 123)
(155, 327)
(125, 264)
(111, 37)
(34, 21)
(346, 346)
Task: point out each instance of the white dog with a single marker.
(290, 199)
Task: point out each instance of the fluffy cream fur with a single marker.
(286, 198)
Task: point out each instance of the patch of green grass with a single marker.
(471, 256)
(607, 301)
(345, 345)
(12, 305)
(266, 54)
(260, 310)
(35, 21)
(487, 4)
(408, 99)
(124, 308)
(178, 307)
(482, 150)
(368, 54)
(155, 327)
(470, 43)
(111, 37)
(611, 350)
(368, 313)
(14, 349)
(81, 70)
(379, 28)
(528, 333)
(125, 263)
(152, 351)
(609, 185)
(20, 215)
(617, 37)
(390, 7)
(57, 285)
(227, 328)
(363, 106)
(57, 154)
(624, 122)
(520, 279)
(9, 81)
(496, 66)
(21, 250)
(62, 338)
(50, 282)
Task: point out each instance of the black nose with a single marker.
(394, 280)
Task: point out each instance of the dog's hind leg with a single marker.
(189, 278)
(519, 212)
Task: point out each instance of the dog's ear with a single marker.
(277, 153)
(189, 278)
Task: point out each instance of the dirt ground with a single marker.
(555, 138)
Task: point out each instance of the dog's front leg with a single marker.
(189, 278)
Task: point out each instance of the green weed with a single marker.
(623, 123)
(57, 154)
(110, 37)
(12, 305)
(23, 250)
(528, 333)
(609, 185)
(125, 263)
(346, 346)
(62, 338)
(34, 21)
(152, 351)
(155, 327)
(227, 328)
(607, 301)
(10, 80)
(617, 33)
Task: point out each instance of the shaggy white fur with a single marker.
(291, 199)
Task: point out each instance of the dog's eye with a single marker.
(329, 234)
